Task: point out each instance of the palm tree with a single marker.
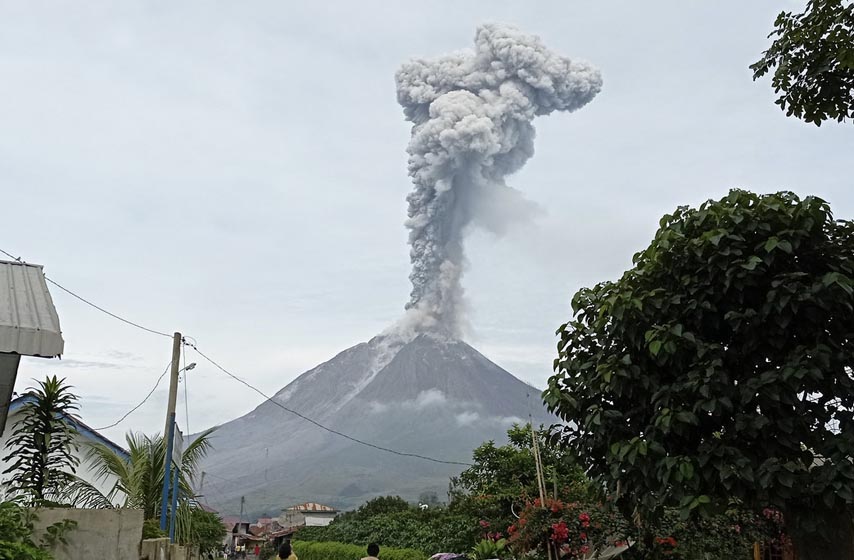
(139, 477)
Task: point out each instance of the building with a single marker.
(309, 514)
(85, 437)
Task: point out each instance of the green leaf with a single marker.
(655, 347)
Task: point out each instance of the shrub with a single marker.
(340, 551)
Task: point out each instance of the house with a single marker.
(309, 514)
(85, 437)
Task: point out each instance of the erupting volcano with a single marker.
(417, 388)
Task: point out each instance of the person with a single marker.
(257, 551)
(373, 552)
(285, 552)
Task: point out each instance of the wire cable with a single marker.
(148, 396)
(318, 424)
(87, 302)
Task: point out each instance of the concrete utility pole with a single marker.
(169, 430)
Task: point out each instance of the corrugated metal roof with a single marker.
(312, 506)
(29, 324)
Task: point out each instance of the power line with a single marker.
(148, 396)
(318, 424)
(87, 302)
(193, 346)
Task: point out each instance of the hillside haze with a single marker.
(430, 396)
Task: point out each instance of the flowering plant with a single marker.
(574, 530)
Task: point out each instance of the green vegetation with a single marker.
(717, 370)
(339, 551)
(813, 53)
(16, 534)
(429, 531)
(42, 453)
(139, 481)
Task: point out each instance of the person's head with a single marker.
(373, 549)
(285, 550)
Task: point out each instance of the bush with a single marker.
(22, 551)
(340, 551)
(431, 531)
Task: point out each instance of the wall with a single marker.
(112, 534)
(316, 519)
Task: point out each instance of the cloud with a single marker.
(428, 398)
(467, 418)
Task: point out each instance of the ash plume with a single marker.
(472, 116)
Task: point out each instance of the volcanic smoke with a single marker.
(471, 114)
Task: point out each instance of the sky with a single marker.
(237, 172)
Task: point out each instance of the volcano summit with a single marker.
(429, 396)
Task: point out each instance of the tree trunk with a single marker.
(821, 534)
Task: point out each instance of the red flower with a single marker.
(585, 549)
(560, 532)
(484, 524)
(511, 529)
(583, 536)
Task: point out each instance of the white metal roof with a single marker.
(29, 324)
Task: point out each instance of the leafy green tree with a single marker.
(42, 454)
(139, 476)
(504, 477)
(719, 368)
(381, 505)
(813, 53)
(200, 528)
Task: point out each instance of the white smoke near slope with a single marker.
(471, 115)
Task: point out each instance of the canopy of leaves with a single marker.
(42, 454)
(429, 531)
(813, 53)
(504, 477)
(719, 366)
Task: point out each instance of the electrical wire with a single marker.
(318, 424)
(87, 302)
(148, 396)
(212, 362)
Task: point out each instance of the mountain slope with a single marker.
(430, 396)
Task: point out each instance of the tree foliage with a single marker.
(42, 454)
(813, 53)
(383, 520)
(139, 476)
(503, 478)
(17, 541)
(718, 367)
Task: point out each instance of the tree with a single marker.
(42, 453)
(813, 54)
(139, 477)
(719, 368)
(503, 477)
(200, 528)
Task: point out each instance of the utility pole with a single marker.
(169, 430)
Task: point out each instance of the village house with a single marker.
(83, 440)
(309, 514)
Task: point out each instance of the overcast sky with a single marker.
(237, 172)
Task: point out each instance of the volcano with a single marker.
(430, 396)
